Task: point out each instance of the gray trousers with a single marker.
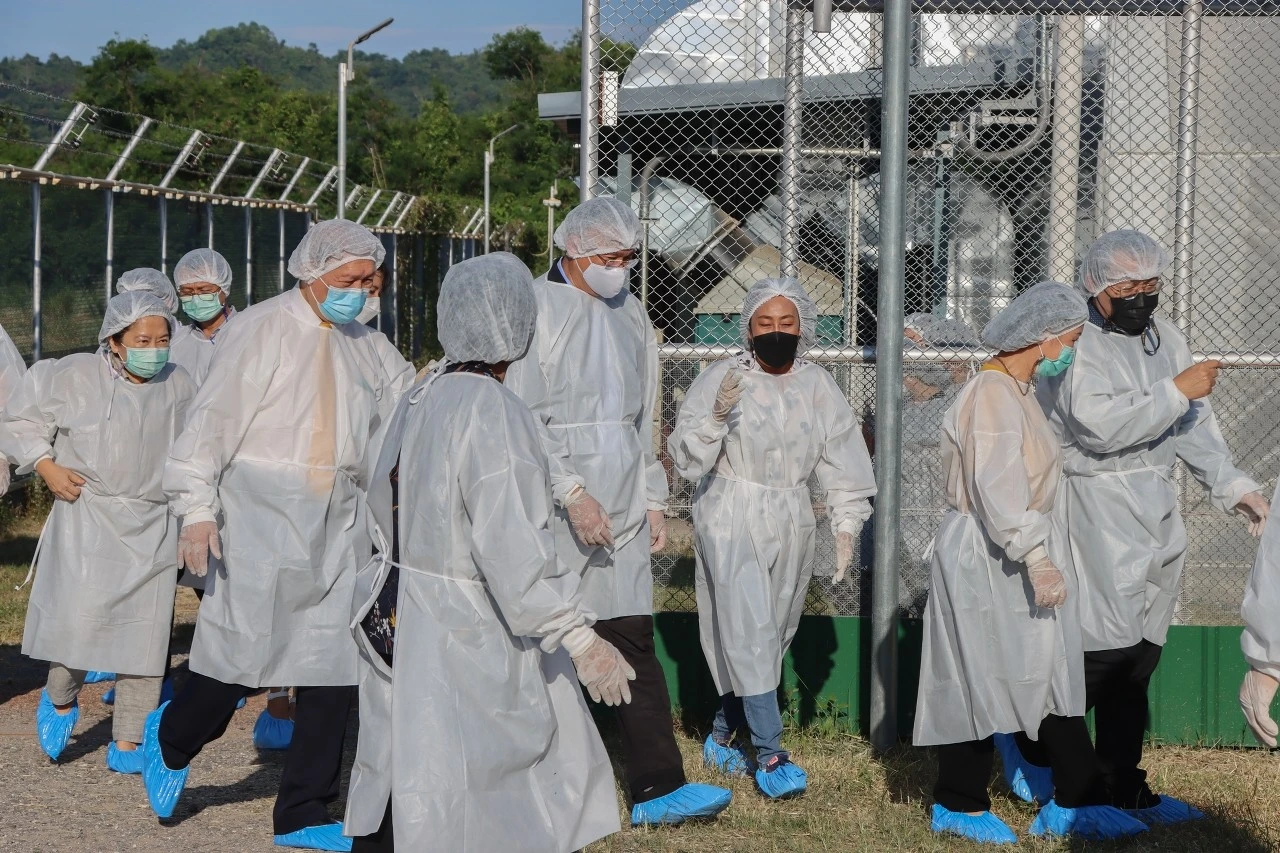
(136, 696)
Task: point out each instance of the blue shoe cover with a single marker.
(731, 760)
(270, 733)
(985, 828)
(782, 779)
(1167, 812)
(93, 676)
(688, 802)
(54, 729)
(166, 690)
(124, 761)
(164, 786)
(327, 837)
(1097, 823)
(241, 703)
(109, 698)
(1030, 783)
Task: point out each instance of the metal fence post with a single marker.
(888, 463)
(280, 251)
(164, 235)
(1064, 185)
(111, 237)
(792, 117)
(1188, 134)
(208, 209)
(248, 256)
(589, 135)
(37, 342)
(393, 268)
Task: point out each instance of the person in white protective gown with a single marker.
(751, 432)
(474, 734)
(1001, 649)
(12, 368)
(97, 428)
(1260, 640)
(591, 378)
(1133, 403)
(269, 474)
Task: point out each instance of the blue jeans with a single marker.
(759, 714)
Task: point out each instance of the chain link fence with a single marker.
(747, 143)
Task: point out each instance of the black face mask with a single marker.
(1132, 315)
(775, 349)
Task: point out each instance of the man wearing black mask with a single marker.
(1131, 405)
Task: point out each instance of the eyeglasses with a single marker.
(1129, 289)
(618, 259)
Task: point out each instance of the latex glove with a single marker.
(728, 395)
(63, 482)
(195, 543)
(1047, 582)
(844, 555)
(590, 522)
(1254, 508)
(1256, 694)
(604, 671)
(657, 530)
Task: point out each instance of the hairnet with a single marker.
(124, 309)
(148, 280)
(203, 265)
(941, 333)
(1121, 256)
(763, 291)
(486, 309)
(600, 226)
(330, 244)
(1049, 308)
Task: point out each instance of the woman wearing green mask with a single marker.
(1002, 649)
(97, 428)
(203, 278)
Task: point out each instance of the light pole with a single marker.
(347, 73)
(488, 161)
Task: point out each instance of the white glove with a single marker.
(657, 530)
(601, 667)
(1255, 508)
(4, 475)
(728, 395)
(1256, 693)
(195, 543)
(1048, 583)
(844, 555)
(590, 522)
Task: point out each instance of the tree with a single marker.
(517, 55)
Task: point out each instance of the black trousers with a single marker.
(964, 769)
(1116, 683)
(382, 841)
(200, 713)
(654, 765)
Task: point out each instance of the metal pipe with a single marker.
(792, 118)
(1184, 199)
(395, 200)
(208, 211)
(856, 354)
(623, 181)
(589, 132)
(164, 235)
(488, 162)
(262, 173)
(395, 292)
(646, 177)
(967, 147)
(851, 249)
(280, 250)
(888, 462)
(37, 324)
(373, 198)
(324, 185)
(1064, 181)
(297, 173)
(405, 212)
(128, 149)
(248, 256)
(60, 136)
(226, 167)
(181, 158)
(342, 141)
(111, 238)
(822, 16)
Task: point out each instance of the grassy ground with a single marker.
(855, 801)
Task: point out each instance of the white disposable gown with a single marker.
(12, 368)
(591, 377)
(276, 447)
(1260, 641)
(479, 733)
(992, 661)
(107, 563)
(1123, 424)
(193, 350)
(753, 522)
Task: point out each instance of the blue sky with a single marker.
(76, 28)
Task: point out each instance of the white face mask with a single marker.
(372, 308)
(607, 282)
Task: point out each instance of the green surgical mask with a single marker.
(202, 306)
(145, 363)
(1053, 366)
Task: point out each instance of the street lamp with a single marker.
(347, 73)
(488, 161)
